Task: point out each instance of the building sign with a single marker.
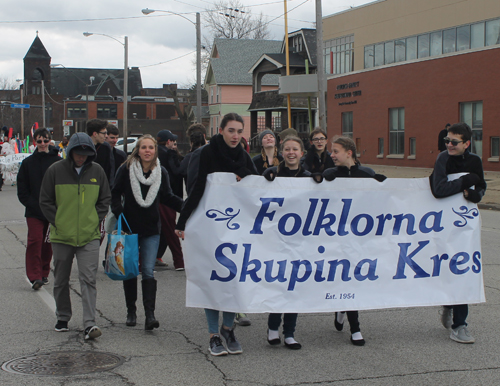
(113, 122)
(67, 122)
(348, 94)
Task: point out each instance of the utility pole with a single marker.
(320, 66)
(198, 67)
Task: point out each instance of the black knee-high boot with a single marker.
(149, 300)
(130, 289)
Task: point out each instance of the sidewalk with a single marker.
(491, 199)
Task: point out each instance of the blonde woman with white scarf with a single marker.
(143, 183)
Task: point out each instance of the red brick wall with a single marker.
(430, 91)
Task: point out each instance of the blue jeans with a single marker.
(213, 320)
(148, 248)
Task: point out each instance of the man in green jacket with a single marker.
(75, 197)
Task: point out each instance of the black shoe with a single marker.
(45, 280)
(36, 284)
(61, 326)
(92, 333)
(358, 342)
(273, 342)
(293, 346)
(131, 319)
(339, 326)
(151, 323)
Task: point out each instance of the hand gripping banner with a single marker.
(293, 245)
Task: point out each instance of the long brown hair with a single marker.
(135, 152)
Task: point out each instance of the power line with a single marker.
(171, 60)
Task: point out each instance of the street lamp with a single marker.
(147, 11)
(125, 84)
(21, 90)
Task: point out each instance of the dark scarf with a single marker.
(232, 160)
(317, 163)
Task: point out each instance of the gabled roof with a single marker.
(71, 82)
(309, 37)
(279, 60)
(235, 57)
(37, 50)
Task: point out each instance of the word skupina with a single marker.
(415, 257)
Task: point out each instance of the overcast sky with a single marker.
(153, 39)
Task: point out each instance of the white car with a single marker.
(130, 144)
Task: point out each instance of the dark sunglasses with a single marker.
(39, 141)
(454, 142)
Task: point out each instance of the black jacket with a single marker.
(142, 221)
(258, 161)
(465, 163)
(316, 164)
(282, 171)
(213, 157)
(169, 159)
(119, 157)
(29, 180)
(356, 171)
(105, 158)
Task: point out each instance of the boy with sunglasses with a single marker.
(458, 159)
(29, 182)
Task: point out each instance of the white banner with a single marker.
(293, 245)
(13, 158)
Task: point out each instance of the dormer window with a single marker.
(297, 43)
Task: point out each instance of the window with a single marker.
(436, 43)
(339, 55)
(106, 111)
(397, 131)
(381, 146)
(472, 114)
(449, 40)
(493, 32)
(211, 95)
(495, 147)
(369, 56)
(477, 35)
(413, 146)
(389, 52)
(379, 54)
(411, 48)
(400, 50)
(77, 111)
(463, 38)
(423, 46)
(347, 124)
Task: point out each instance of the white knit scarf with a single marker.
(137, 177)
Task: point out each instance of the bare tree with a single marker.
(8, 84)
(231, 20)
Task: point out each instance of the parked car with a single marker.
(131, 141)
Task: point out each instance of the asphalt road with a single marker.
(404, 346)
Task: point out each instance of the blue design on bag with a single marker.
(465, 213)
(122, 258)
(227, 216)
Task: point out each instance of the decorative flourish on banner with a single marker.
(465, 214)
(227, 216)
